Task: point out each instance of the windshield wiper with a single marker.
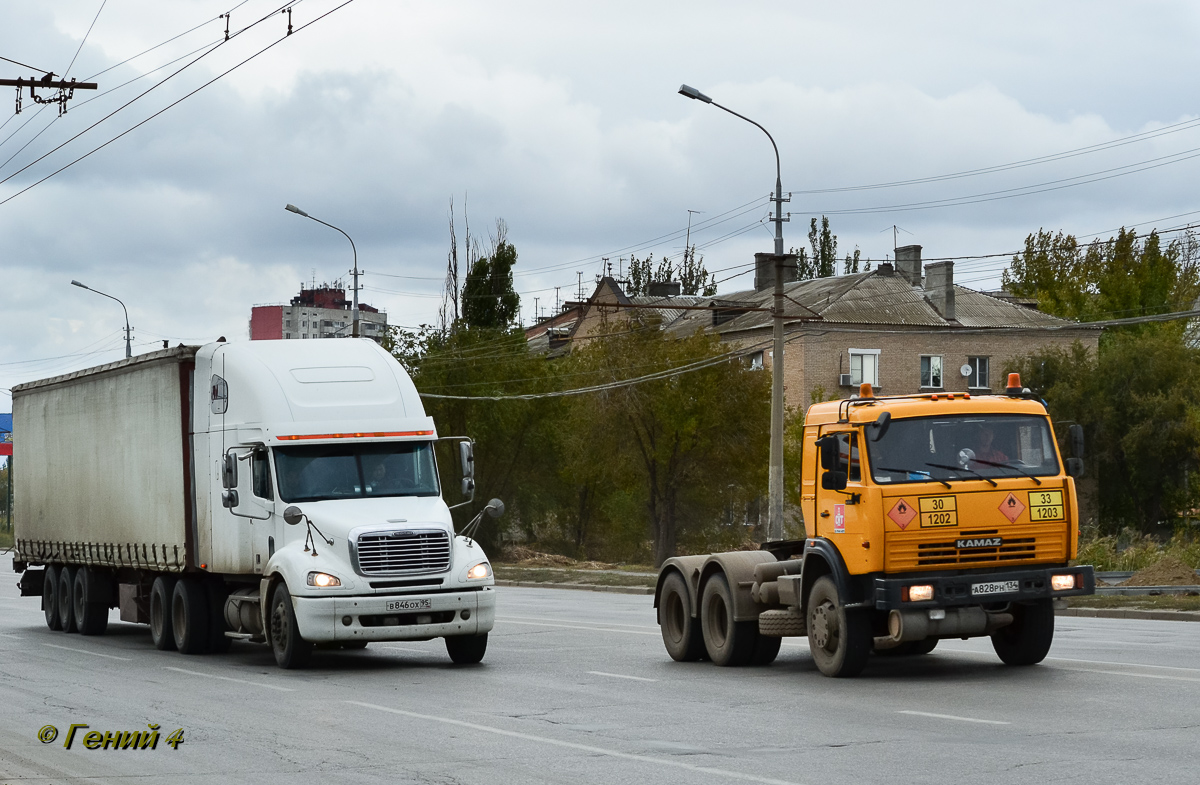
(910, 471)
(1007, 466)
(961, 469)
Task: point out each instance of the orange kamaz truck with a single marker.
(940, 515)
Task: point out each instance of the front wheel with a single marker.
(840, 640)
(680, 632)
(466, 649)
(1027, 640)
(291, 651)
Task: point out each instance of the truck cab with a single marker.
(926, 517)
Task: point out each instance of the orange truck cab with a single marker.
(940, 515)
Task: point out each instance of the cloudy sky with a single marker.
(563, 120)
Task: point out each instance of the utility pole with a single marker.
(579, 293)
(66, 89)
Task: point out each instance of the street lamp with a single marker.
(128, 347)
(291, 208)
(775, 476)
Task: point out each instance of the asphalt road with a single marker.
(577, 688)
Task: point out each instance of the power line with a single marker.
(85, 38)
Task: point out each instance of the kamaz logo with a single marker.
(979, 542)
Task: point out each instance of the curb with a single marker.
(582, 587)
(1123, 613)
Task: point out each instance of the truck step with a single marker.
(781, 623)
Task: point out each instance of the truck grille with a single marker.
(1021, 544)
(407, 552)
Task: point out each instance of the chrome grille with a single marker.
(403, 552)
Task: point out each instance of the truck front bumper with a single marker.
(981, 588)
(371, 618)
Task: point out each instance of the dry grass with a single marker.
(1131, 551)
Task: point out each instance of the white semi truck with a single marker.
(282, 492)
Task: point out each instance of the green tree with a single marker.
(488, 298)
(691, 275)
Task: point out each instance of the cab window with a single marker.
(260, 467)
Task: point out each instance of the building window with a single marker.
(931, 371)
(978, 378)
(756, 361)
(304, 323)
(864, 367)
(287, 335)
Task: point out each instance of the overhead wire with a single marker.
(85, 38)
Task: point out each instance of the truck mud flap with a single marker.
(32, 582)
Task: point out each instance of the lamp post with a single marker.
(291, 208)
(128, 346)
(775, 476)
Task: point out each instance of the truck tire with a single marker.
(291, 651)
(66, 608)
(466, 649)
(218, 641)
(680, 632)
(840, 640)
(50, 597)
(1027, 640)
(161, 631)
(189, 616)
(90, 616)
(766, 649)
(728, 642)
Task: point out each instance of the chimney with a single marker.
(664, 289)
(908, 263)
(764, 270)
(939, 288)
(885, 268)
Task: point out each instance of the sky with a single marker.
(564, 121)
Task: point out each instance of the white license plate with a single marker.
(410, 605)
(998, 587)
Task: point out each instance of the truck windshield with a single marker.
(965, 447)
(313, 472)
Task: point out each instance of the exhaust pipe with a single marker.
(904, 626)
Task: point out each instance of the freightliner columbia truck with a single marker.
(282, 492)
(927, 517)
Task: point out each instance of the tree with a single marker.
(488, 298)
(693, 278)
(821, 261)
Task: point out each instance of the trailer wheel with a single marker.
(218, 641)
(161, 630)
(291, 651)
(840, 640)
(1027, 640)
(466, 649)
(728, 642)
(680, 632)
(50, 597)
(189, 616)
(66, 608)
(90, 617)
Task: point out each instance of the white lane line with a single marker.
(403, 648)
(227, 678)
(576, 627)
(85, 651)
(737, 775)
(620, 676)
(611, 624)
(9, 635)
(953, 717)
(1126, 664)
(1085, 666)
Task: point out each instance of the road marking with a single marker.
(737, 775)
(85, 651)
(227, 678)
(9, 635)
(576, 627)
(1084, 666)
(1126, 664)
(953, 717)
(403, 648)
(611, 624)
(619, 676)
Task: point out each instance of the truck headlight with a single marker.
(479, 572)
(323, 580)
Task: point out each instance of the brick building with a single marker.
(904, 328)
(320, 312)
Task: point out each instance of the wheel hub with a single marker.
(825, 625)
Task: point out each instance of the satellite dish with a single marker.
(966, 370)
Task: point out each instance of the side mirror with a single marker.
(229, 499)
(292, 515)
(494, 508)
(229, 473)
(828, 448)
(1076, 432)
(1075, 466)
(880, 426)
(466, 457)
(834, 481)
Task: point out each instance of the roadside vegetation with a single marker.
(1132, 550)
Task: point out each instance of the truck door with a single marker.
(842, 516)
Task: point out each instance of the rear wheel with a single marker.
(840, 640)
(728, 642)
(91, 614)
(189, 616)
(66, 608)
(161, 630)
(766, 649)
(680, 632)
(291, 651)
(50, 597)
(1027, 640)
(466, 649)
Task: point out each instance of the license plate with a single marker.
(410, 605)
(997, 587)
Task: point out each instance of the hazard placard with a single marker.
(1011, 507)
(902, 513)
